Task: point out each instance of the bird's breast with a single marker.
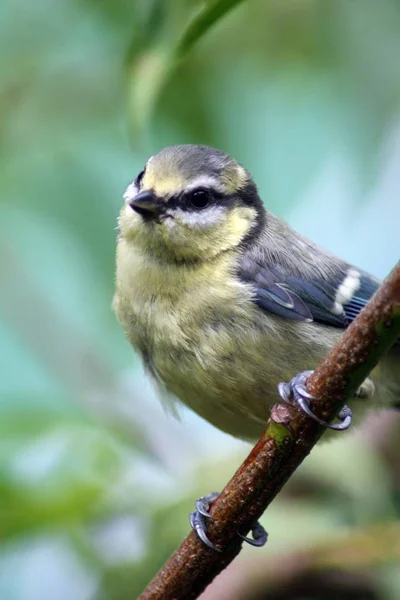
(172, 307)
(202, 336)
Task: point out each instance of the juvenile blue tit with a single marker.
(223, 300)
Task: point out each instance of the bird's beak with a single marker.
(146, 203)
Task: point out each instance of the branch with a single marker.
(289, 437)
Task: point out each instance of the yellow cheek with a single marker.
(238, 224)
(212, 241)
(176, 239)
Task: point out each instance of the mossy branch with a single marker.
(289, 437)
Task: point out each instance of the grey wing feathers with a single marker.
(283, 302)
(292, 296)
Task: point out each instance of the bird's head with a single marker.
(191, 203)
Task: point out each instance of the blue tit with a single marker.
(223, 300)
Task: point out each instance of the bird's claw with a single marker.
(198, 517)
(199, 525)
(297, 389)
(259, 534)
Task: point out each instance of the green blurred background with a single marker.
(96, 481)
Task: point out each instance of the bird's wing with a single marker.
(335, 299)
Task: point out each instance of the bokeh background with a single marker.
(96, 481)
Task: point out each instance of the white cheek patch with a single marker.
(204, 181)
(202, 219)
(348, 288)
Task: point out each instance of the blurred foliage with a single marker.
(96, 482)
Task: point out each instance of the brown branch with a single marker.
(289, 437)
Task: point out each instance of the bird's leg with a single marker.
(297, 388)
(199, 525)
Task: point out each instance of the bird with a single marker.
(224, 301)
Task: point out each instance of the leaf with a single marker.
(146, 80)
(149, 71)
(201, 24)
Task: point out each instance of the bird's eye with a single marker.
(199, 198)
(139, 178)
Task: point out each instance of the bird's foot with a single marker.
(199, 524)
(297, 388)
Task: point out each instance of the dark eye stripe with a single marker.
(184, 201)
